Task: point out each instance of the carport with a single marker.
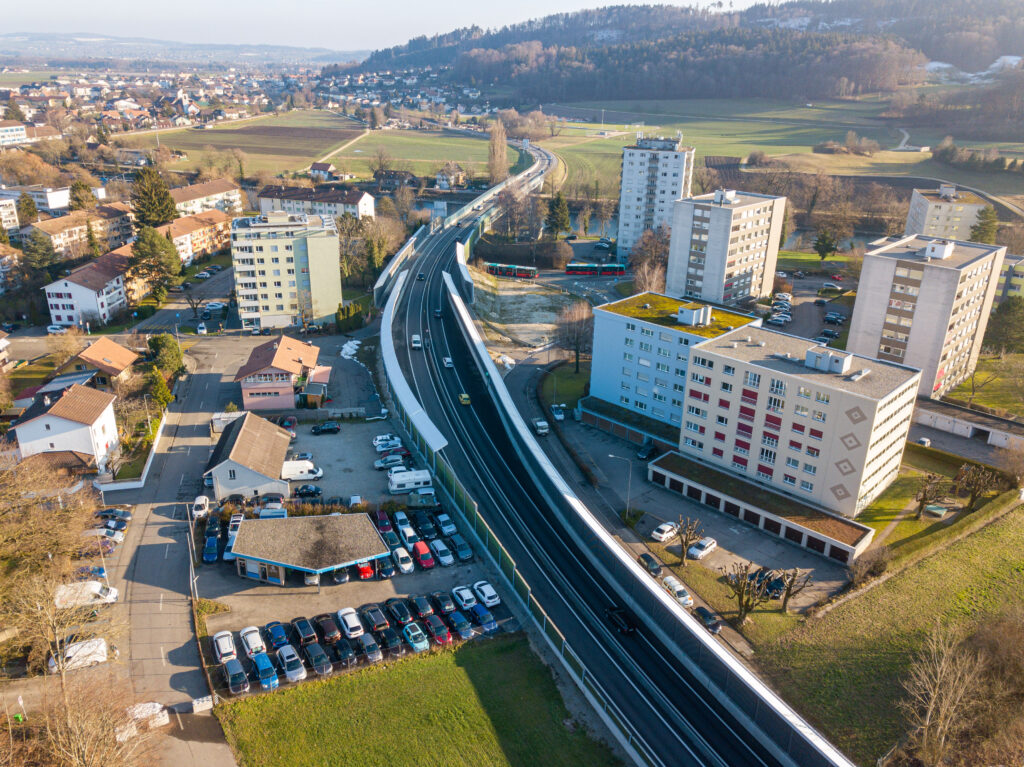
(266, 549)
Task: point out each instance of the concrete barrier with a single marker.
(135, 484)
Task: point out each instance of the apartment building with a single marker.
(1011, 278)
(9, 216)
(321, 201)
(219, 194)
(724, 246)
(825, 426)
(945, 212)
(12, 133)
(655, 173)
(641, 351)
(286, 269)
(9, 259)
(91, 293)
(112, 226)
(925, 302)
(54, 201)
(199, 235)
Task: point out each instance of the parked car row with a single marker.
(335, 641)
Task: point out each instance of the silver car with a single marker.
(291, 664)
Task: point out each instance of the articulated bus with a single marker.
(615, 270)
(512, 270)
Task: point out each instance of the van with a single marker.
(90, 652)
(84, 593)
(416, 342)
(272, 511)
(540, 426)
(300, 471)
(408, 481)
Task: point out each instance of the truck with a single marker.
(409, 481)
(300, 471)
(540, 426)
(83, 594)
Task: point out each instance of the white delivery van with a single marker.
(300, 471)
(200, 507)
(540, 426)
(82, 655)
(84, 593)
(408, 481)
(416, 342)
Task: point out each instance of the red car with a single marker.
(422, 555)
(837, 277)
(365, 570)
(380, 518)
(402, 451)
(437, 629)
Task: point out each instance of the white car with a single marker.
(102, 532)
(224, 646)
(397, 469)
(702, 548)
(402, 560)
(557, 412)
(674, 586)
(349, 621)
(447, 362)
(485, 593)
(203, 276)
(290, 664)
(408, 536)
(380, 438)
(401, 519)
(214, 306)
(783, 296)
(383, 447)
(464, 597)
(781, 274)
(201, 329)
(665, 531)
(445, 525)
(442, 553)
(252, 641)
(56, 330)
(388, 462)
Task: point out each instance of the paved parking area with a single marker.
(808, 319)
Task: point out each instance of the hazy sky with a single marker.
(341, 25)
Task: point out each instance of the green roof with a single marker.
(662, 310)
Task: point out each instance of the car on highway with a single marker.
(252, 641)
(437, 313)
(234, 677)
(709, 619)
(829, 286)
(664, 532)
(447, 362)
(327, 427)
(265, 672)
(464, 597)
(290, 664)
(442, 553)
(781, 274)
(621, 620)
(308, 491)
(821, 302)
(414, 635)
(677, 591)
(224, 646)
(837, 277)
(486, 594)
(702, 548)
(216, 306)
(650, 564)
(349, 621)
(56, 330)
(558, 412)
(463, 398)
(277, 634)
(421, 277)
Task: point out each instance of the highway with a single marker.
(677, 722)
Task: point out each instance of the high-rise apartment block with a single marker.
(286, 270)
(724, 246)
(822, 425)
(925, 302)
(655, 173)
(945, 212)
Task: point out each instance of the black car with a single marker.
(835, 319)
(317, 659)
(650, 564)
(386, 568)
(820, 302)
(829, 333)
(420, 606)
(437, 313)
(776, 588)
(342, 653)
(328, 628)
(213, 527)
(646, 452)
(206, 315)
(621, 620)
(265, 332)
(399, 610)
(374, 617)
(327, 427)
(341, 575)
(424, 525)
(420, 277)
(390, 642)
(304, 632)
(444, 602)
(308, 491)
(114, 514)
(234, 677)
(709, 619)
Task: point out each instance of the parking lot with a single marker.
(808, 317)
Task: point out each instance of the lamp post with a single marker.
(629, 482)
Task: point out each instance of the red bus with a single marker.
(512, 270)
(615, 270)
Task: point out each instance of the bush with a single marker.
(543, 255)
(870, 565)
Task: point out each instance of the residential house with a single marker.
(274, 371)
(112, 227)
(8, 267)
(111, 362)
(322, 201)
(392, 179)
(219, 194)
(248, 458)
(450, 176)
(94, 292)
(322, 171)
(78, 420)
(198, 235)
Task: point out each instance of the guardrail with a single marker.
(384, 282)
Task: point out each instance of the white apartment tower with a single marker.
(286, 269)
(655, 173)
(724, 246)
(925, 302)
(945, 212)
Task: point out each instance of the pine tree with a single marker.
(158, 388)
(151, 200)
(27, 211)
(4, 238)
(154, 259)
(82, 197)
(987, 227)
(91, 242)
(38, 252)
(13, 112)
(497, 153)
(557, 220)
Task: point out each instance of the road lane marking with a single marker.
(167, 550)
(161, 603)
(163, 656)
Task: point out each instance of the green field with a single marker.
(14, 79)
(422, 152)
(484, 703)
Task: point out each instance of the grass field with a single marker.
(31, 375)
(564, 385)
(485, 703)
(276, 143)
(1001, 392)
(792, 260)
(14, 79)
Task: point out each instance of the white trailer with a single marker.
(408, 481)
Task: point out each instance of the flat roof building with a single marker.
(925, 302)
(944, 212)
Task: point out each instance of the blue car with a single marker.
(460, 625)
(277, 634)
(482, 617)
(265, 671)
(210, 553)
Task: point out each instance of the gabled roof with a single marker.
(254, 443)
(182, 194)
(327, 166)
(188, 224)
(108, 356)
(283, 353)
(96, 274)
(341, 195)
(77, 403)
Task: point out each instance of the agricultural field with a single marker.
(276, 143)
(15, 79)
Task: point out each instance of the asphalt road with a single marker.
(678, 722)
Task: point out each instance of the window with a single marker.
(717, 452)
(644, 346)
(813, 452)
(630, 326)
(804, 392)
(47, 427)
(722, 420)
(643, 363)
(693, 443)
(630, 342)
(752, 379)
(702, 362)
(624, 400)
(816, 434)
(789, 479)
(821, 397)
(819, 416)
(769, 439)
(681, 372)
(727, 387)
(231, 474)
(662, 367)
(798, 427)
(627, 371)
(663, 352)
(647, 332)
(777, 387)
(627, 357)
(802, 410)
(701, 379)
(625, 386)
(807, 487)
(640, 405)
(643, 377)
(763, 473)
(776, 405)
(694, 427)
(694, 410)
(741, 447)
(810, 468)
(723, 403)
(768, 456)
(739, 463)
(793, 463)
(729, 370)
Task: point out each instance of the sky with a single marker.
(339, 25)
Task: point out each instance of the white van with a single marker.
(82, 655)
(200, 507)
(272, 511)
(416, 342)
(84, 593)
(300, 471)
(408, 481)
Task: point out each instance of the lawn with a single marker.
(484, 703)
(32, 374)
(15, 79)
(793, 260)
(564, 385)
(1001, 392)
(423, 152)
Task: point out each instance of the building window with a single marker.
(630, 326)
(640, 405)
(703, 362)
(231, 474)
(777, 387)
(789, 479)
(647, 332)
(627, 371)
(644, 346)
(694, 410)
(807, 487)
(752, 380)
(821, 397)
(816, 434)
(802, 410)
(662, 367)
(728, 370)
(813, 452)
(776, 405)
(810, 468)
(629, 342)
(804, 392)
(768, 456)
(693, 443)
(793, 463)
(694, 427)
(819, 416)
(627, 357)
(769, 439)
(722, 420)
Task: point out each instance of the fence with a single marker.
(384, 282)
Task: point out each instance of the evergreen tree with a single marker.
(557, 220)
(38, 251)
(1005, 332)
(151, 200)
(154, 259)
(101, 135)
(27, 211)
(91, 242)
(825, 244)
(4, 238)
(82, 197)
(158, 388)
(13, 112)
(987, 227)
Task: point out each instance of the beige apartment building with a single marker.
(944, 212)
(724, 246)
(220, 194)
(112, 226)
(286, 269)
(925, 302)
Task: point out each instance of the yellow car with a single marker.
(464, 399)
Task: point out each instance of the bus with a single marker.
(512, 270)
(612, 270)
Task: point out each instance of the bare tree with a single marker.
(194, 302)
(746, 588)
(1011, 460)
(944, 689)
(649, 277)
(497, 162)
(932, 490)
(871, 564)
(688, 533)
(605, 211)
(979, 382)
(574, 330)
(381, 160)
(794, 581)
(652, 247)
(404, 198)
(64, 346)
(976, 481)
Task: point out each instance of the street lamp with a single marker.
(629, 482)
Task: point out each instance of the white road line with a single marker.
(163, 656)
(167, 550)
(161, 602)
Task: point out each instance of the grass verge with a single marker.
(206, 608)
(484, 703)
(993, 387)
(32, 374)
(565, 385)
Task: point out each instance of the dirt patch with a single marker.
(518, 309)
